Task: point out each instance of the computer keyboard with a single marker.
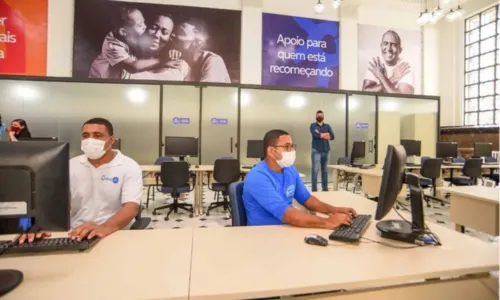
(353, 232)
(491, 163)
(367, 166)
(246, 167)
(47, 245)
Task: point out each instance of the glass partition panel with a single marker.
(181, 113)
(263, 110)
(408, 118)
(58, 109)
(219, 123)
(362, 114)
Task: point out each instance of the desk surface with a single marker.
(488, 194)
(274, 260)
(408, 167)
(144, 264)
(376, 171)
(201, 168)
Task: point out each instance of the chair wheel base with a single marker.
(166, 218)
(190, 215)
(155, 213)
(208, 214)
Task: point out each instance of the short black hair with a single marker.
(101, 121)
(271, 138)
(123, 16)
(320, 112)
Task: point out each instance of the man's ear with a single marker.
(122, 32)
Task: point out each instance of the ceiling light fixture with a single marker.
(336, 3)
(437, 15)
(424, 17)
(454, 15)
(319, 7)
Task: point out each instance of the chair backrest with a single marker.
(227, 170)
(490, 159)
(163, 159)
(472, 167)
(424, 158)
(237, 207)
(174, 174)
(345, 161)
(431, 168)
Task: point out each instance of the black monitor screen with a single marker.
(358, 150)
(483, 149)
(412, 147)
(255, 148)
(446, 150)
(181, 146)
(39, 139)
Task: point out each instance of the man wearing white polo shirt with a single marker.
(106, 186)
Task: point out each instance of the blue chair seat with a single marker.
(425, 183)
(461, 181)
(239, 214)
(219, 187)
(182, 189)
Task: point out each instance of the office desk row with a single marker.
(258, 262)
(199, 172)
(372, 177)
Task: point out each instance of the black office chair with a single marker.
(140, 222)
(175, 180)
(472, 171)
(431, 171)
(226, 171)
(151, 188)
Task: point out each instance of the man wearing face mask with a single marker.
(322, 134)
(271, 186)
(106, 186)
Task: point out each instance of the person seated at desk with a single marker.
(19, 130)
(273, 183)
(106, 186)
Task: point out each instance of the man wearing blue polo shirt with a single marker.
(271, 186)
(322, 134)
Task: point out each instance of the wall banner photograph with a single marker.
(142, 41)
(300, 52)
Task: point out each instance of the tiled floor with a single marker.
(437, 213)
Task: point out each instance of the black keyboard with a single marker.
(367, 166)
(354, 232)
(47, 245)
(246, 167)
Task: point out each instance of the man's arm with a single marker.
(372, 86)
(262, 190)
(330, 131)
(135, 65)
(314, 204)
(123, 217)
(315, 134)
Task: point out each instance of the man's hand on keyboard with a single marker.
(337, 220)
(30, 237)
(346, 210)
(89, 230)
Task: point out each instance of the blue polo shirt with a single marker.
(268, 194)
(319, 144)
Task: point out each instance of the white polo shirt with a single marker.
(98, 193)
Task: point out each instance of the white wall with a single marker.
(451, 64)
(396, 15)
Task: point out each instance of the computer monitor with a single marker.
(41, 139)
(446, 150)
(358, 150)
(34, 186)
(392, 181)
(412, 147)
(483, 149)
(181, 146)
(255, 149)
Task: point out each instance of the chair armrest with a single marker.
(140, 223)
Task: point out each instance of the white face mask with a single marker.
(287, 159)
(93, 148)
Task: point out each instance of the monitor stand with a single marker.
(9, 280)
(401, 230)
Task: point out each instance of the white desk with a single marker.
(476, 207)
(272, 261)
(371, 178)
(143, 264)
(200, 172)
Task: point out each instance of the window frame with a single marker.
(495, 51)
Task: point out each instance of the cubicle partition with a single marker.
(224, 117)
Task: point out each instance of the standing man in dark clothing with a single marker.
(321, 135)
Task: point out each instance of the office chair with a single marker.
(175, 180)
(472, 171)
(431, 171)
(158, 162)
(217, 193)
(491, 172)
(237, 206)
(140, 222)
(226, 171)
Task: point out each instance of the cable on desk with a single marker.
(427, 230)
(394, 246)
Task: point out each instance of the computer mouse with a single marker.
(315, 239)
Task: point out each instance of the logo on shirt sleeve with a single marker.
(290, 191)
